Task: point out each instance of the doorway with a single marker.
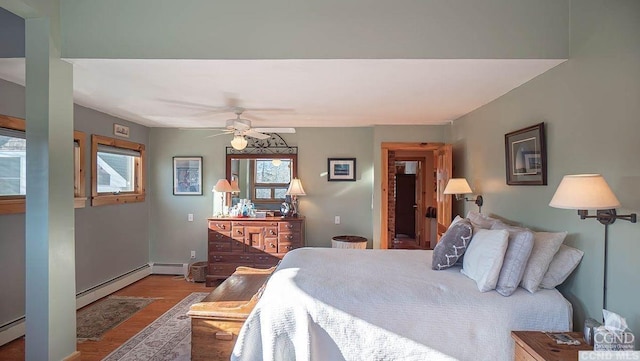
(414, 212)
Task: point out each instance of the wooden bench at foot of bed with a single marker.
(216, 321)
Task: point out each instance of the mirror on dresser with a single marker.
(262, 170)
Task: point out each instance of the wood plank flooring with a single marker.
(169, 289)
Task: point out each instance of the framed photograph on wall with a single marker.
(187, 176)
(526, 156)
(341, 169)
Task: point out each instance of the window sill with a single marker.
(117, 199)
(79, 202)
(11, 206)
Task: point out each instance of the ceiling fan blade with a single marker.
(275, 130)
(222, 133)
(254, 134)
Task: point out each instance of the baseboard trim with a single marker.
(17, 328)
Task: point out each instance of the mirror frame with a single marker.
(272, 147)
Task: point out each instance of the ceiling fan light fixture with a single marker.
(239, 142)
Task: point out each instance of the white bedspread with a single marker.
(347, 304)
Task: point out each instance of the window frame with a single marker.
(16, 204)
(138, 194)
(12, 204)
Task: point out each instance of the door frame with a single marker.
(386, 172)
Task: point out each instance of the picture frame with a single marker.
(341, 169)
(526, 156)
(187, 176)
(121, 130)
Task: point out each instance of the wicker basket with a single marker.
(199, 271)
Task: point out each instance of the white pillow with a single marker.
(483, 257)
(515, 259)
(561, 266)
(545, 246)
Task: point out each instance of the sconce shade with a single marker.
(584, 192)
(235, 188)
(295, 188)
(223, 186)
(239, 142)
(457, 186)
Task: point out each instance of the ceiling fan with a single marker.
(241, 128)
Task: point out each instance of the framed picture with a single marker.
(121, 130)
(526, 156)
(187, 176)
(341, 169)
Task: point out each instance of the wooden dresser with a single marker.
(250, 242)
(537, 346)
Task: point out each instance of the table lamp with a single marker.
(295, 190)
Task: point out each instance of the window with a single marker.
(271, 178)
(117, 174)
(13, 165)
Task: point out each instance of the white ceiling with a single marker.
(296, 93)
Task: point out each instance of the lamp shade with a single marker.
(235, 187)
(239, 142)
(223, 186)
(457, 186)
(584, 191)
(295, 188)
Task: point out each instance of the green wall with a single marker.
(590, 105)
(357, 203)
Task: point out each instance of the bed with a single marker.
(349, 304)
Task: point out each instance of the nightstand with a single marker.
(537, 346)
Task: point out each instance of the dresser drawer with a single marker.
(221, 269)
(289, 226)
(237, 232)
(231, 258)
(271, 245)
(224, 246)
(223, 226)
(288, 237)
(216, 236)
(265, 260)
(284, 247)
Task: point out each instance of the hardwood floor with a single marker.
(170, 290)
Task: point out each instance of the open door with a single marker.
(444, 167)
(441, 169)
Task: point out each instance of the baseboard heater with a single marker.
(170, 269)
(16, 328)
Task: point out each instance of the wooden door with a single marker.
(406, 205)
(444, 167)
(440, 152)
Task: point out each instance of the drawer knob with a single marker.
(272, 245)
(289, 248)
(289, 226)
(221, 226)
(272, 232)
(289, 237)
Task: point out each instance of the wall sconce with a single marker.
(295, 190)
(222, 187)
(459, 187)
(586, 192)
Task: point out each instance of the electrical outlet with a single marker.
(190, 217)
(193, 254)
(337, 220)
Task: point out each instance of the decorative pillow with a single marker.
(483, 258)
(452, 245)
(481, 221)
(515, 259)
(561, 266)
(545, 246)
